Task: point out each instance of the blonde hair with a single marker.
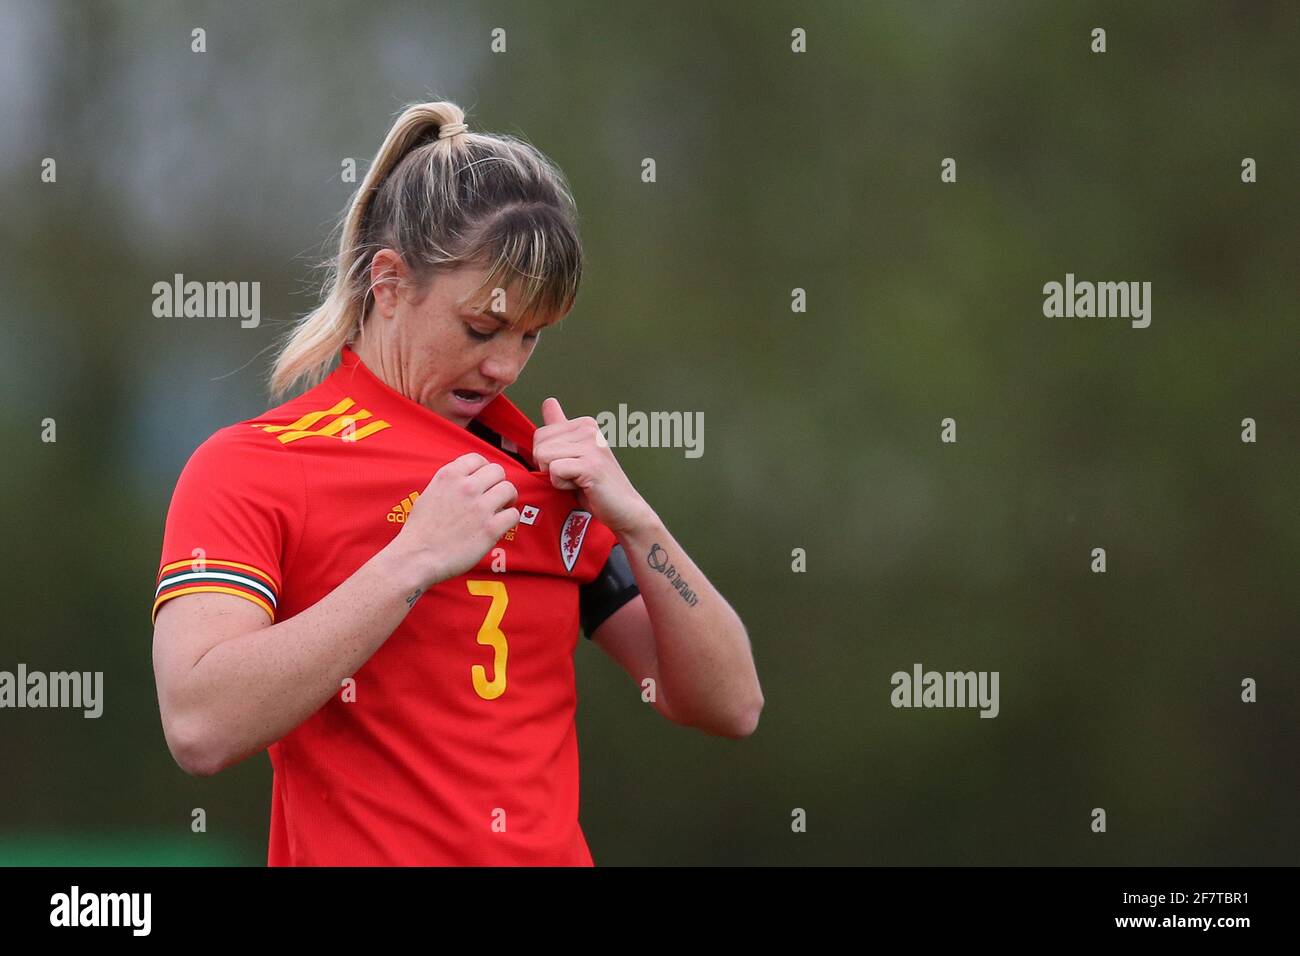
(442, 197)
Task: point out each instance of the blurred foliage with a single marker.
(775, 171)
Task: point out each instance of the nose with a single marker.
(505, 361)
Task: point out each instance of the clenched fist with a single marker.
(465, 510)
(578, 459)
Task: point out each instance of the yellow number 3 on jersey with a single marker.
(491, 635)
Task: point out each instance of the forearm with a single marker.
(705, 661)
(250, 691)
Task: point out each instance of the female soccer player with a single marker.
(381, 581)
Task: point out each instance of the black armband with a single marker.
(607, 592)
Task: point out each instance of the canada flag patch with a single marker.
(571, 535)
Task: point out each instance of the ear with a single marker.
(387, 271)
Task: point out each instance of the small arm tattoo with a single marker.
(411, 598)
(658, 560)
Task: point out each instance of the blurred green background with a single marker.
(776, 170)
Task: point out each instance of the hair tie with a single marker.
(448, 130)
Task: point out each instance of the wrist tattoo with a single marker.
(658, 560)
(411, 598)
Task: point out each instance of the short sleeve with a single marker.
(234, 519)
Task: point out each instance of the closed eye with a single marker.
(486, 336)
(479, 336)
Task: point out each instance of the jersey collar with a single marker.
(500, 415)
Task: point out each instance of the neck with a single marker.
(386, 366)
(372, 355)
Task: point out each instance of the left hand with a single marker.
(578, 459)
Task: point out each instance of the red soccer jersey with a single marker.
(460, 746)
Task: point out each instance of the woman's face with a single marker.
(435, 348)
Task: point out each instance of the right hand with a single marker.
(462, 513)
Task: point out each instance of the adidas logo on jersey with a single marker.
(397, 514)
(399, 511)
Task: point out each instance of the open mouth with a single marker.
(468, 397)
